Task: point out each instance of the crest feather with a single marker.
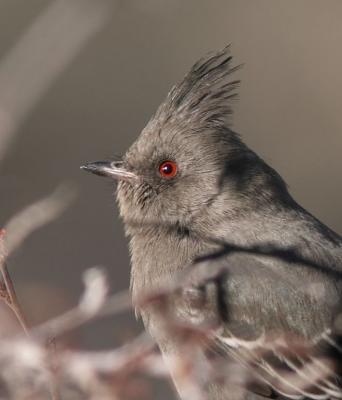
(204, 97)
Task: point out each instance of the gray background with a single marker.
(289, 112)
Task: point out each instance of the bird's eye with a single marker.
(168, 169)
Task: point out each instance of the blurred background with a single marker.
(79, 79)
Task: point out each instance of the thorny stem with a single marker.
(7, 291)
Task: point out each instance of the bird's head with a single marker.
(177, 167)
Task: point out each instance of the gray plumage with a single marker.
(229, 213)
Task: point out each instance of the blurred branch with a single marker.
(43, 52)
(106, 374)
(37, 215)
(89, 307)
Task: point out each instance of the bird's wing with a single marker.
(271, 318)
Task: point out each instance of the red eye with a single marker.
(168, 169)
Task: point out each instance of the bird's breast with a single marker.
(156, 259)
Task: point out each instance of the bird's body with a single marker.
(295, 292)
(199, 199)
(283, 284)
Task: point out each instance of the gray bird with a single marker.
(201, 208)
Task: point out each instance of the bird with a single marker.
(208, 217)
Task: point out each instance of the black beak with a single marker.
(112, 169)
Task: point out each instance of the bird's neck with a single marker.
(157, 256)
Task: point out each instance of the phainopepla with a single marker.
(194, 198)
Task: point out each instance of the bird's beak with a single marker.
(112, 169)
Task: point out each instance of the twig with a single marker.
(93, 305)
(8, 291)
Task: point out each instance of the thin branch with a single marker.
(8, 291)
(93, 305)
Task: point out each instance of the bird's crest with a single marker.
(204, 97)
